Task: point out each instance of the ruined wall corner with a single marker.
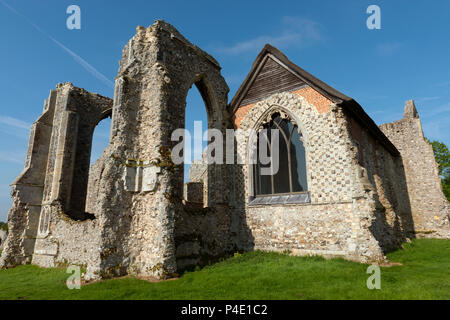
(429, 206)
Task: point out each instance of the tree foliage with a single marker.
(3, 226)
(442, 155)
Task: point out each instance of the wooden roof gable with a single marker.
(269, 78)
(272, 72)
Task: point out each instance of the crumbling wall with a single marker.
(196, 190)
(3, 235)
(95, 173)
(48, 221)
(202, 233)
(430, 209)
(67, 233)
(27, 191)
(141, 189)
(385, 181)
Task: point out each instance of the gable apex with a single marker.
(349, 105)
(270, 77)
(272, 53)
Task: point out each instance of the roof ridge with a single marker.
(347, 103)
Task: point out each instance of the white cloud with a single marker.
(12, 158)
(425, 99)
(388, 49)
(382, 116)
(295, 32)
(442, 84)
(437, 129)
(234, 79)
(430, 112)
(13, 122)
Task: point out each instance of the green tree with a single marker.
(442, 155)
(3, 226)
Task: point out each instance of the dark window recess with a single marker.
(289, 183)
(359, 151)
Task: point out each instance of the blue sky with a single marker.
(407, 59)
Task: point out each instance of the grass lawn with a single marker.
(424, 274)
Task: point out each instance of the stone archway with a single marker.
(156, 71)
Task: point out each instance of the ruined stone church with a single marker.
(345, 188)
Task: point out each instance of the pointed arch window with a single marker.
(289, 182)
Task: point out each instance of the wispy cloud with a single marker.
(437, 129)
(295, 32)
(374, 96)
(12, 158)
(14, 132)
(383, 116)
(388, 49)
(234, 79)
(431, 112)
(426, 99)
(83, 63)
(13, 122)
(443, 84)
(14, 127)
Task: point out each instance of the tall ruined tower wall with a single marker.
(384, 176)
(430, 209)
(141, 189)
(48, 220)
(27, 190)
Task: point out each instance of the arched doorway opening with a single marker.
(100, 140)
(195, 167)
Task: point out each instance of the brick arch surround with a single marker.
(251, 139)
(322, 142)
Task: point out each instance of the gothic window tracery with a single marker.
(290, 178)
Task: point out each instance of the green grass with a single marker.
(425, 274)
